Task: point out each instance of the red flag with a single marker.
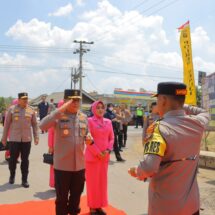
(184, 25)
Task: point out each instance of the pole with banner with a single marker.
(186, 49)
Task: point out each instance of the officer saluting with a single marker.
(69, 166)
(19, 120)
(171, 153)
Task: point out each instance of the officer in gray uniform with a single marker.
(19, 120)
(69, 166)
(171, 154)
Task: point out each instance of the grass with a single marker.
(208, 142)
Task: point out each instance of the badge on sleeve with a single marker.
(155, 144)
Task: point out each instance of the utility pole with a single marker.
(81, 52)
(74, 77)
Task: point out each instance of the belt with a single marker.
(191, 158)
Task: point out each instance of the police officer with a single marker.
(171, 153)
(43, 108)
(19, 120)
(109, 114)
(69, 167)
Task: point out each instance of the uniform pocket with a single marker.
(16, 117)
(65, 129)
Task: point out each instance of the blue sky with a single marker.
(136, 37)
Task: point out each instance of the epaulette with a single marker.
(82, 116)
(30, 108)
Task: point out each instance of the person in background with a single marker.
(97, 156)
(19, 120)
(51, 134)
(43, 108)
(126, 118)
(119, 119)
(150, 118)
(109, 114)
(51, 106)
(7, 152)
(139, 116)
(70, 128)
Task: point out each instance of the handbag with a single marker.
(4, 148)
(48, 158)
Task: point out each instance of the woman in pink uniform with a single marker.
(97, 156)
(51, 150)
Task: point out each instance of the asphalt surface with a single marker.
(125, 192)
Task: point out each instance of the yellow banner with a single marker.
(186, 49)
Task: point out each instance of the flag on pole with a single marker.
(186, 49)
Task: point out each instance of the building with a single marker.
(131, 98)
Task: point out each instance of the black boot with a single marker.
(120, 159)
(25, 184)
(12, 179)
(124, 144)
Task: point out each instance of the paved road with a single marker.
(125, 192)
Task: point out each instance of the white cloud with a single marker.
(80, 2)
(63, 11)
(125, 42)
(40, 33)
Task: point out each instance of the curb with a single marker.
(207, 159)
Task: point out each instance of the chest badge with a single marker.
(16, 118)
(65, 131)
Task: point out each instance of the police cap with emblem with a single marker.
(72, 94)
(171, 88)
(23, 95)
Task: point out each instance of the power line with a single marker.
(92, 84)
(133, 74)
(61, 84)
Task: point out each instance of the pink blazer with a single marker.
(103, 137)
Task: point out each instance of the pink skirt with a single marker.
(96, 181)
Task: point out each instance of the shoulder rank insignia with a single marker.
(150, 131)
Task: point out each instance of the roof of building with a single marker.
(57, 96)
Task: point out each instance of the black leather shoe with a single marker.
(93, 211)
(25, 184)
(120, 160)
(101, 211)
(11, 180)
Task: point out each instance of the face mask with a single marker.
(110, 108)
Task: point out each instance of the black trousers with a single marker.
(139, 121)
(120, 139)
(69, 187)
(124, 134)
(116, 147)
(24, 149)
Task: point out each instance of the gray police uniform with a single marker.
(19, 121)
(69, 163)
(70, 132)
(173, 188)
(18, 125)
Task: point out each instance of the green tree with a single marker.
(198, 96)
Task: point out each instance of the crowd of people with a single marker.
(81, 148)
